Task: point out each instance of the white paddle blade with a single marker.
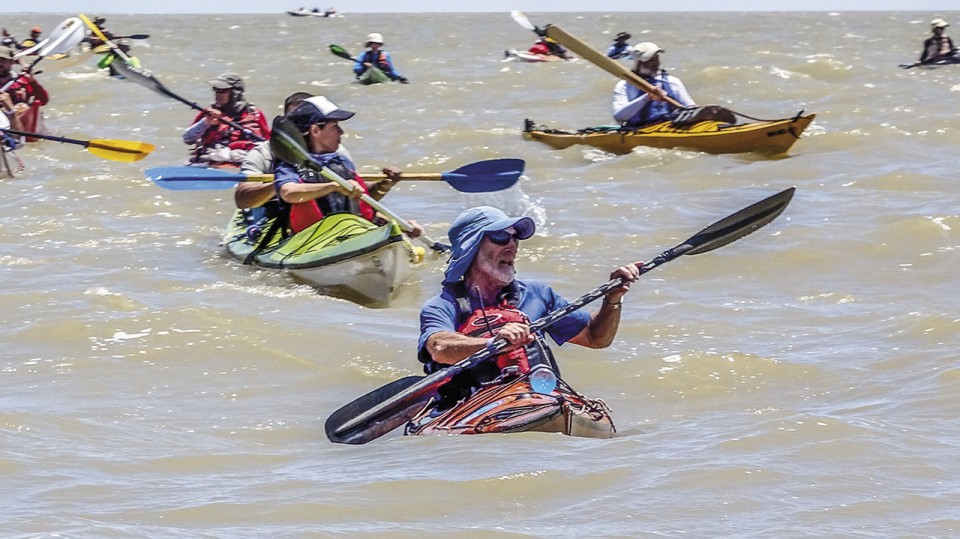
(65, 38)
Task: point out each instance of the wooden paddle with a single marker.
(116, 150)
(593, 56)
(480, 177)
(392, 405)
(288, 144)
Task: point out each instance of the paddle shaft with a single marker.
(375, 204)
(48, 137)
(607, 64)
(372, 178)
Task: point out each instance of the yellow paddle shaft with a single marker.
(97, 32)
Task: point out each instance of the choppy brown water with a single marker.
(800, 382)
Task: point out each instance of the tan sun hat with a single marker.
(938, 23)
(375, 38)
(645, 51)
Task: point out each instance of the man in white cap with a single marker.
(482, 301)
(305, 195)
(215, 141)
(938, 48)
(633, 107)
(374, 56)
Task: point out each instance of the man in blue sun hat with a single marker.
(483, 301)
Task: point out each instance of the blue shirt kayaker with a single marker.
(633, 107)
(375, 57)
(620, 48)
(305, 192)
(485, 243)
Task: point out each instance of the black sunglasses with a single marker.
(502, 237)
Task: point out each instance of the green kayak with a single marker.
(344, 254)
(373, 75)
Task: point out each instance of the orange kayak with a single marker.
(513, 406)
(710, 136)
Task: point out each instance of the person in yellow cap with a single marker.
(938, 48)
(375, 56)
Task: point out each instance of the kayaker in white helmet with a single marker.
(375, 56)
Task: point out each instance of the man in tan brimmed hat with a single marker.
(633, 107)
(938, 48)
(620, 48)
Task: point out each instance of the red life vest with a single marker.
(487, 323)
(26, 89)
(304, 214)
(224, 134)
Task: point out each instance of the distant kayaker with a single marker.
(374, 56)
(8, 40)
(307, 196)
(260, 160)
(215, 141)
(482, 301)
(107, 61)
(633, 107)
(937, 47)
(92, 39)
(620, 48)
(548, 47)
(34, 38)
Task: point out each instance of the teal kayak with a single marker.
(344, 254)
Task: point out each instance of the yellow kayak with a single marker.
(710, 136)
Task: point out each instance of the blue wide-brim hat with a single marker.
(467, 231)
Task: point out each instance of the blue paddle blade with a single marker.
(485, 176)
(193, 178)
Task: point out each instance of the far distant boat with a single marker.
(315, 12)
